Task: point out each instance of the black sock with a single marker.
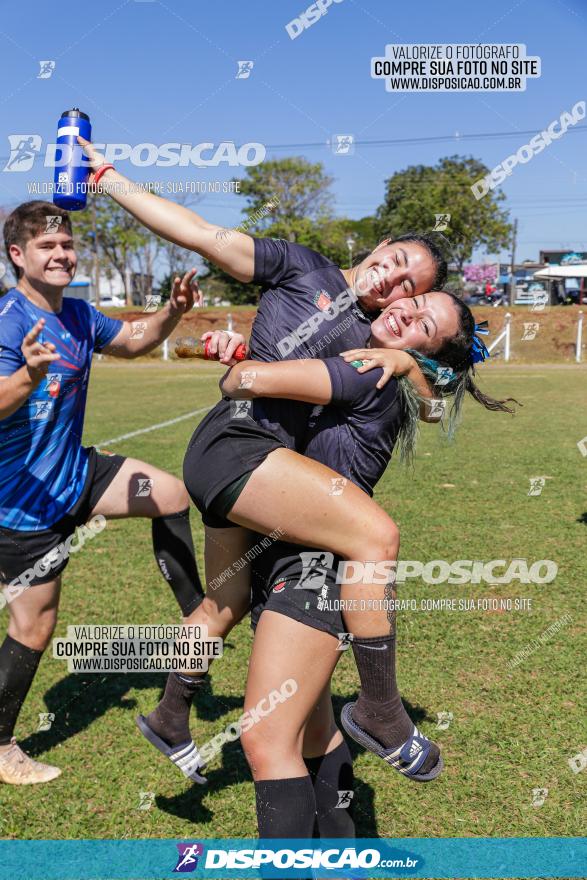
(18, 665)
(174, 552)
(332, 777)
(286, 807)
(379, 709)
(171, 718)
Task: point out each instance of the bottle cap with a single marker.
(76, 113)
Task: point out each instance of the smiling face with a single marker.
(423, 322)
(392, 271)
(48, 260)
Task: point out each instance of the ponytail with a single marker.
(455, 353)
(489, 402)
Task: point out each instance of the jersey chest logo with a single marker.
(54, 384)
(322, 299)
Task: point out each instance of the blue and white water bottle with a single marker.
(73, 170)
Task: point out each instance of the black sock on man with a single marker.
(18, 665)
(174, 552)
(170, 719)
(379, 709)
(286, 807)
(333, 780)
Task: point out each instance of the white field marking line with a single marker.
(189, 415)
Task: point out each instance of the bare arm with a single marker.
(232, 251)
(136, 338)
(14, 391)
(306, 380)
(17, 388)
(395, 362)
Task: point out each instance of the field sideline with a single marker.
(513, 729)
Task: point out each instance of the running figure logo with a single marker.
(247, 379)
(145, 487)
(46, 719)
(436, 408)
(539, 795)
(188, 857)
(444, 719)
(344, 799)
(537, 484)
(442, 221)
(343, 144)
(530, 332)
(137, 329)
(47, 68)
(244, 69)
(344, 642)
(24, 149)
(443, 375)
(240, 409)
(146, 800)
(315, 566)
(53, 222)
(337, 485)
(152, 302)
(42, 410)
(578, 762)
(539, 301)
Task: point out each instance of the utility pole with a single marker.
(512, 264)
(127, 281)
(96, 260)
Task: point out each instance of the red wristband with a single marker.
(101, 170)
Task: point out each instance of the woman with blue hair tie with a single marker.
(297, 792)
(364, 412)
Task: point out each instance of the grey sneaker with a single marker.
(16, 768)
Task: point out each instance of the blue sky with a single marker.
(158, 72)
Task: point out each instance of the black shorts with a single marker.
(22, 551)
(300, 583)
(225, 448)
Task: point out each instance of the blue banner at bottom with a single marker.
(362, 858)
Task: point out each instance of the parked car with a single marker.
(111, 302)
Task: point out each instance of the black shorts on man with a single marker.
(31, 558)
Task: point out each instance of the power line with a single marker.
(399, 142)
(424, 140)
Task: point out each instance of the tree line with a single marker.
(292, 198)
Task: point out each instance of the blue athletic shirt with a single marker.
(44, 464)
(303, 293)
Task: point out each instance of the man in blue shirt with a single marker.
(49, 483)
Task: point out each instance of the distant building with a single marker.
(560, 257)
(112, 289)
(566, 288)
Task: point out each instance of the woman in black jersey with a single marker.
(289, 491)
(294, 645)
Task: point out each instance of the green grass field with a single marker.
(512, 730)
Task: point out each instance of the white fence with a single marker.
(504, 336)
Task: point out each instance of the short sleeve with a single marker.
(278, 261)
(11, 335)
(349, 387)
(106, 329)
